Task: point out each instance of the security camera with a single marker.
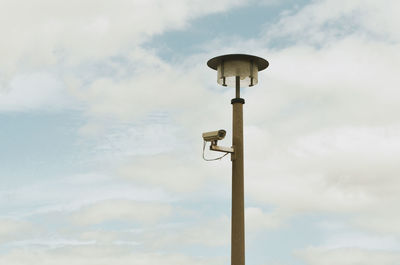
(214, 135)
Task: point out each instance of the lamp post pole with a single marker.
(235, 70)
(237, 233)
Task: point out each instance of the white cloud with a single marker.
(345, 256)
(351, 171)
(73, 30)
(117, 210)
(323, 21)
(209, 233)
(258, 220)
(205, 232)
(49, 242)
(382, 218)
(172, 173)
(51, 197)
(362, 241)
(11, 229)
(105, 254)
(72, 38)
(39, 90)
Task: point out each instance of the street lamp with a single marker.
(235, 70)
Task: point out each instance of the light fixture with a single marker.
(246, 67)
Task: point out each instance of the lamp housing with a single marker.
(244, 66)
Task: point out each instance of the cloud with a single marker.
(82, 40)
(210, 233)
(51, 197)
(207, 231)
(39, 90)
(361, 241)
(73, 30)
(321, 256)
(156, 86)
(324, 21)
(118, 210)
(258, 220)
(105, 254)
(169, 172)
(11, 230)
(381, 219)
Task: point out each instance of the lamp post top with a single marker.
(260, 62)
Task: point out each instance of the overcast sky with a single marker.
(102, 106)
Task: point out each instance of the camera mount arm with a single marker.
(215, 147)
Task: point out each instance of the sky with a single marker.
(102, 106)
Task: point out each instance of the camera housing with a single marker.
(214, 135)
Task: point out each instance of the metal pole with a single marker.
(237, 233)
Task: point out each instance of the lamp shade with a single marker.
(242, 65)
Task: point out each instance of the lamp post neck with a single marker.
(237, 86)
(237, 99)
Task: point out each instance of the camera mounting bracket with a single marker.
(215, 147)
